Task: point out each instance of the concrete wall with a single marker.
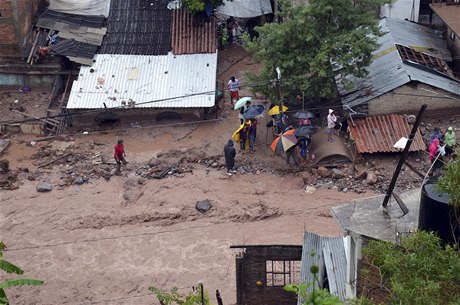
(40, 81)
(16, 18)
(404, 100)
(83, 118)
(251, 267)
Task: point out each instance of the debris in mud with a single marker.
(44, 187)
(203, 206)
(9, 180)
(4, 166)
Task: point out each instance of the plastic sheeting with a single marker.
(81, 7)
(245, 8)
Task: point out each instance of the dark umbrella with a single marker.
(254, 112)
(303, 115)
(302, 131)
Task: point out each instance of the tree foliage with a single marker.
(196, 6)
(449, 183)
(314, 43)
(175, 297)
(10, 268)
(417, 271)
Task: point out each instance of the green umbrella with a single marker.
(242, 101)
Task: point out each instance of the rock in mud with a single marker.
(203, 206)
(371, 178)
(309, 189)
(79, 181)
(44, 187)
(323, 172)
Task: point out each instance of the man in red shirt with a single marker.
(119, 156)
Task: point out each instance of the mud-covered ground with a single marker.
(97, 238)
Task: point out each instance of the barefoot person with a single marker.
(229, 153)
(233, 88)
(119, 156)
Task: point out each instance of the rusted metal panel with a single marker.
(191, 34)
(380, 133)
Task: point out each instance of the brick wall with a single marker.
(15, 23)
(403, 100)
(252, 268)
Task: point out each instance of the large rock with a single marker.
(203, 206)
(153, 162)
(323, 172)
(371, 178)
(44, 187)
(309, 189)
(337, 173)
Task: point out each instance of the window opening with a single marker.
(280, 273)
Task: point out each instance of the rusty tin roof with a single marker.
(378, 134)
(192, 35)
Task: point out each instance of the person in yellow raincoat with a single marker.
(241, 135)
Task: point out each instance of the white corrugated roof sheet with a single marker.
(167, 81)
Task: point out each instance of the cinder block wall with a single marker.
(16, 18)
(409, 98)
(253, 268)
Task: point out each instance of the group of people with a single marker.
(442, 147)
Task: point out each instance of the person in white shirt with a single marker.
(233, 87)
(331, 120)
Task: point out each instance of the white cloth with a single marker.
(81, 7)
(233, 86)
(331, 120)
(245, 8)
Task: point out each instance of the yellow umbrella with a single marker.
(276, 110)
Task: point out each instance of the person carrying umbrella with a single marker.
(252, 130)
(229, 154)
(242, 110)
(291, 152)
(243, 136)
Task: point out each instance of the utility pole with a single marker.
(278, 95)
(404, 156)
(202, 293)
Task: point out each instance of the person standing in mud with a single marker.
(230, 154)
(119, 156)
(233, 88)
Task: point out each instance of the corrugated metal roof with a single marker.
(191, 34)
(387, 70)
(336, 265)
(138, 27)
(449, 13)
(79, 20)
(380, 133)
(329, 256)
(167, 81)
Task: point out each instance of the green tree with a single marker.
(10, 268)
(449, 183)
(317, 296)
(314, 43)
(174, 297)
(417, 271)
(196, 6)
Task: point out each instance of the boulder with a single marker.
(337, 173)
(309, 189)
(323, 172)
(371, 178)
(153, 162)
(44, 187)
(79, 181)
(203, 206)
